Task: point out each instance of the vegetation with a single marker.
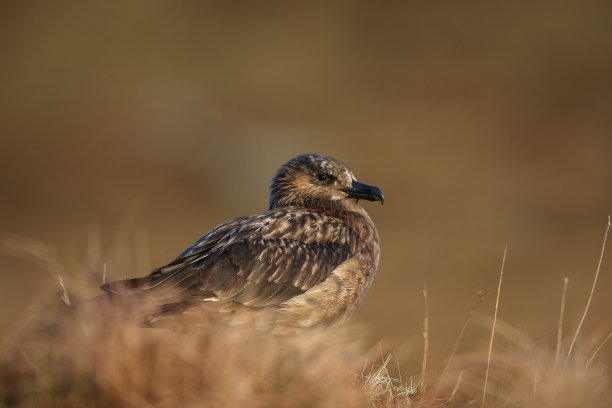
(68, 352)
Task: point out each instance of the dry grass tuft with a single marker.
(106, 359)
(526, 374)
(381, 389)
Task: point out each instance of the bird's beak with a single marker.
(364, 191)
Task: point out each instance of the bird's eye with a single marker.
(324, 177)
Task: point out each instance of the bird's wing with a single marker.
(257, 261)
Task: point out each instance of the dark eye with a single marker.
(324, 177)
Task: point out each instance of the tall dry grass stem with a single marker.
(501, 274)
(597, 351)
(456, 387)
(425, 337)
(586, 309)
(560, 326)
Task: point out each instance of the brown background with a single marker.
(142, 125)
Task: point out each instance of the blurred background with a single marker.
(130, 129)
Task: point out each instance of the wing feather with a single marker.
(258, 261)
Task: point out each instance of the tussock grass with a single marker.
(69, 352)
(94, 357)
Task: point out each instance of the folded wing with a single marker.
(248, 261)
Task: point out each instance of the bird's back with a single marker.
(259, 262)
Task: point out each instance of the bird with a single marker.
(306, 263)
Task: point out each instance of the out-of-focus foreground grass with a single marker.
(70, 351)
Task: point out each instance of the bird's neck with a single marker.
(335, 209)
(353, 215)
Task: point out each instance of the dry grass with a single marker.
(501, 275)
(68, 353)
(93, 357)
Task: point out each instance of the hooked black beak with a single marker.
(364, 191)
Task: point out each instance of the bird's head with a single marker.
(314, 180)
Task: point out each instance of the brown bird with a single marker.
(307, 262)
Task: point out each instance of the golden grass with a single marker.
(66, 352)
(501, 275)
(425, 337)
(94, 357)
(560, 325)
(586, 309)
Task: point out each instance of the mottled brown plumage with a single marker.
(307, 262)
